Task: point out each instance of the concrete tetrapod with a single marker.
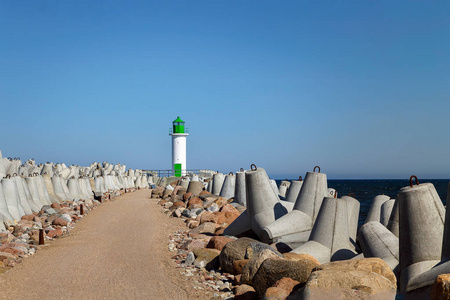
(82, 187)
(240, 195)
(304, 213)
(374, 213)
(31, 203)
(353, 207)
(283, 188)
(421, 229)
(393, 219)
(184, 183)
(49, 188)
(22, 195)
(329, 239)
(6, 215)
(228, 186)
(377, 241)
(262, 202)
(218, 179)
(195, 187)
(99, 188)
(274, 186)
(420, 285)
(294, 190)
(42, 191)
(74, 189)
(58, 188)
(386, 211)
(32, 187)
(12, 198)
(210, 186)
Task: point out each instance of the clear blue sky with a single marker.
(360, 88)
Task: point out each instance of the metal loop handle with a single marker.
(300, 178)
(14, 174)
(231, 173)
(411, 179)
(242, 169)
(315, 169)
(352, 195)
(253, 167)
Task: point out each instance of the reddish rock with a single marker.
(274, 293)
(225, 217)
(187, 196)
(37, 219)
(207, 216)
(287, 284)
(177, 205)
(28, 217)
(13, 251)
(204, 228)
(60, 222)
(195, 202)
(51, 218)
(204, 193)
(6, 237)
(221, 201)
(230, 209)
(193, 245)
(218, 242)
(441, 287)
(55, 233)
(55, 206)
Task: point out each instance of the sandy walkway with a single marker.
(118, 251)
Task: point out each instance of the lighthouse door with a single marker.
(177, 169)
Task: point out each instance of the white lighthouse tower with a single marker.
(178, 147)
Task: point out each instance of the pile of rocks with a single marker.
(245, 268)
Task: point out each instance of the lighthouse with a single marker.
(179, 134)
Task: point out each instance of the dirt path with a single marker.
(118, 251)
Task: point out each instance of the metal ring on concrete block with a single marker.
(315, 169)
(411, 178)
(253, 169)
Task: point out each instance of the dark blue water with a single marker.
(366, 190)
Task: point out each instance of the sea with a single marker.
(366, 189)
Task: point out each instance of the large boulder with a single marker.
(252, 266)
(347, 284)
(232, 251)
(273, 269)
(218, 242)
(209, 256)
(373, 264)
(195, 202)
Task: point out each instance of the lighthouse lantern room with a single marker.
(179, 135)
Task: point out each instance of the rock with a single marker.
(187, 196)
(208, 216)
(232, 251)
(207, 227)
(441, 287)
(6, 237)
(181, 191)
(213, 208)
(190, 258)
(218, 242)
(245, 292)
(221, 201)
(194, 202)
(6, 255)
(193, 244)
(204, 193)
(177, 204)
(250, 269)
(55, 233)
(296, 257)
(28, 217)
(168, 205)
(272, 270)
(208, 198)
(275, 293)
(209, 256)
(287, 284)
(255, 248)
(157, 193)
(177, 212)
(192, 223)
(373, 264)
(56, 206)
(229, 208)
(51, 218)
(347, 284)
(225, 217)
(60, 222)
(66, 217)
(238, 266)
(186, 213)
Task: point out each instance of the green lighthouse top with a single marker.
(178, 125)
